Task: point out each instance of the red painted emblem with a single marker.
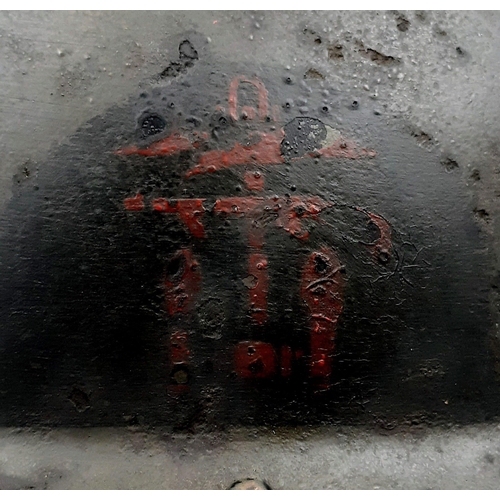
(322, 282)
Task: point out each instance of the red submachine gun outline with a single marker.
(322, 282)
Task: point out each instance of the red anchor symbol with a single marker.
(322, 283)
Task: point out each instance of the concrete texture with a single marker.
(328, 458)
(435, 72)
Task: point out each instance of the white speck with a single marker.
(209, 40)
(60, 52)
(366, 87)
(251, 37)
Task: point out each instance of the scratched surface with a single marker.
(237, 243)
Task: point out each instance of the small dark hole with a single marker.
(325, 109)
(383, 257)
(180, 375)
(222, 121)
(320, 264)
(175, 267)
(355, 105)
(152, 125)
(208, 366)
(256, 366)
(299, 210)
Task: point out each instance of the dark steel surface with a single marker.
(130, 282)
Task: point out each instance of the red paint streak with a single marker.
(233, 96)
(258, 294)
(237, 205)
(382, 248)
(179, 351)
(276, 113)
(286, 361)
(339, 149)
(255, 360)
(171, 145)
(298, 208)
(254, 180)
(368, 152)
(290, 211)
(256, 237)
(182, 282)
(343, 148)
(135, 204)
(168, 146)
(265, 152)
(179, 360)
(248, 113)
(190, 210)
(322, 289)
(289, 214)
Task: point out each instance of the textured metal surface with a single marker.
(363, 259)
(87, 335)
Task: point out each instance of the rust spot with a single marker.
(182, 282)
(322, 289)
(255, 360)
